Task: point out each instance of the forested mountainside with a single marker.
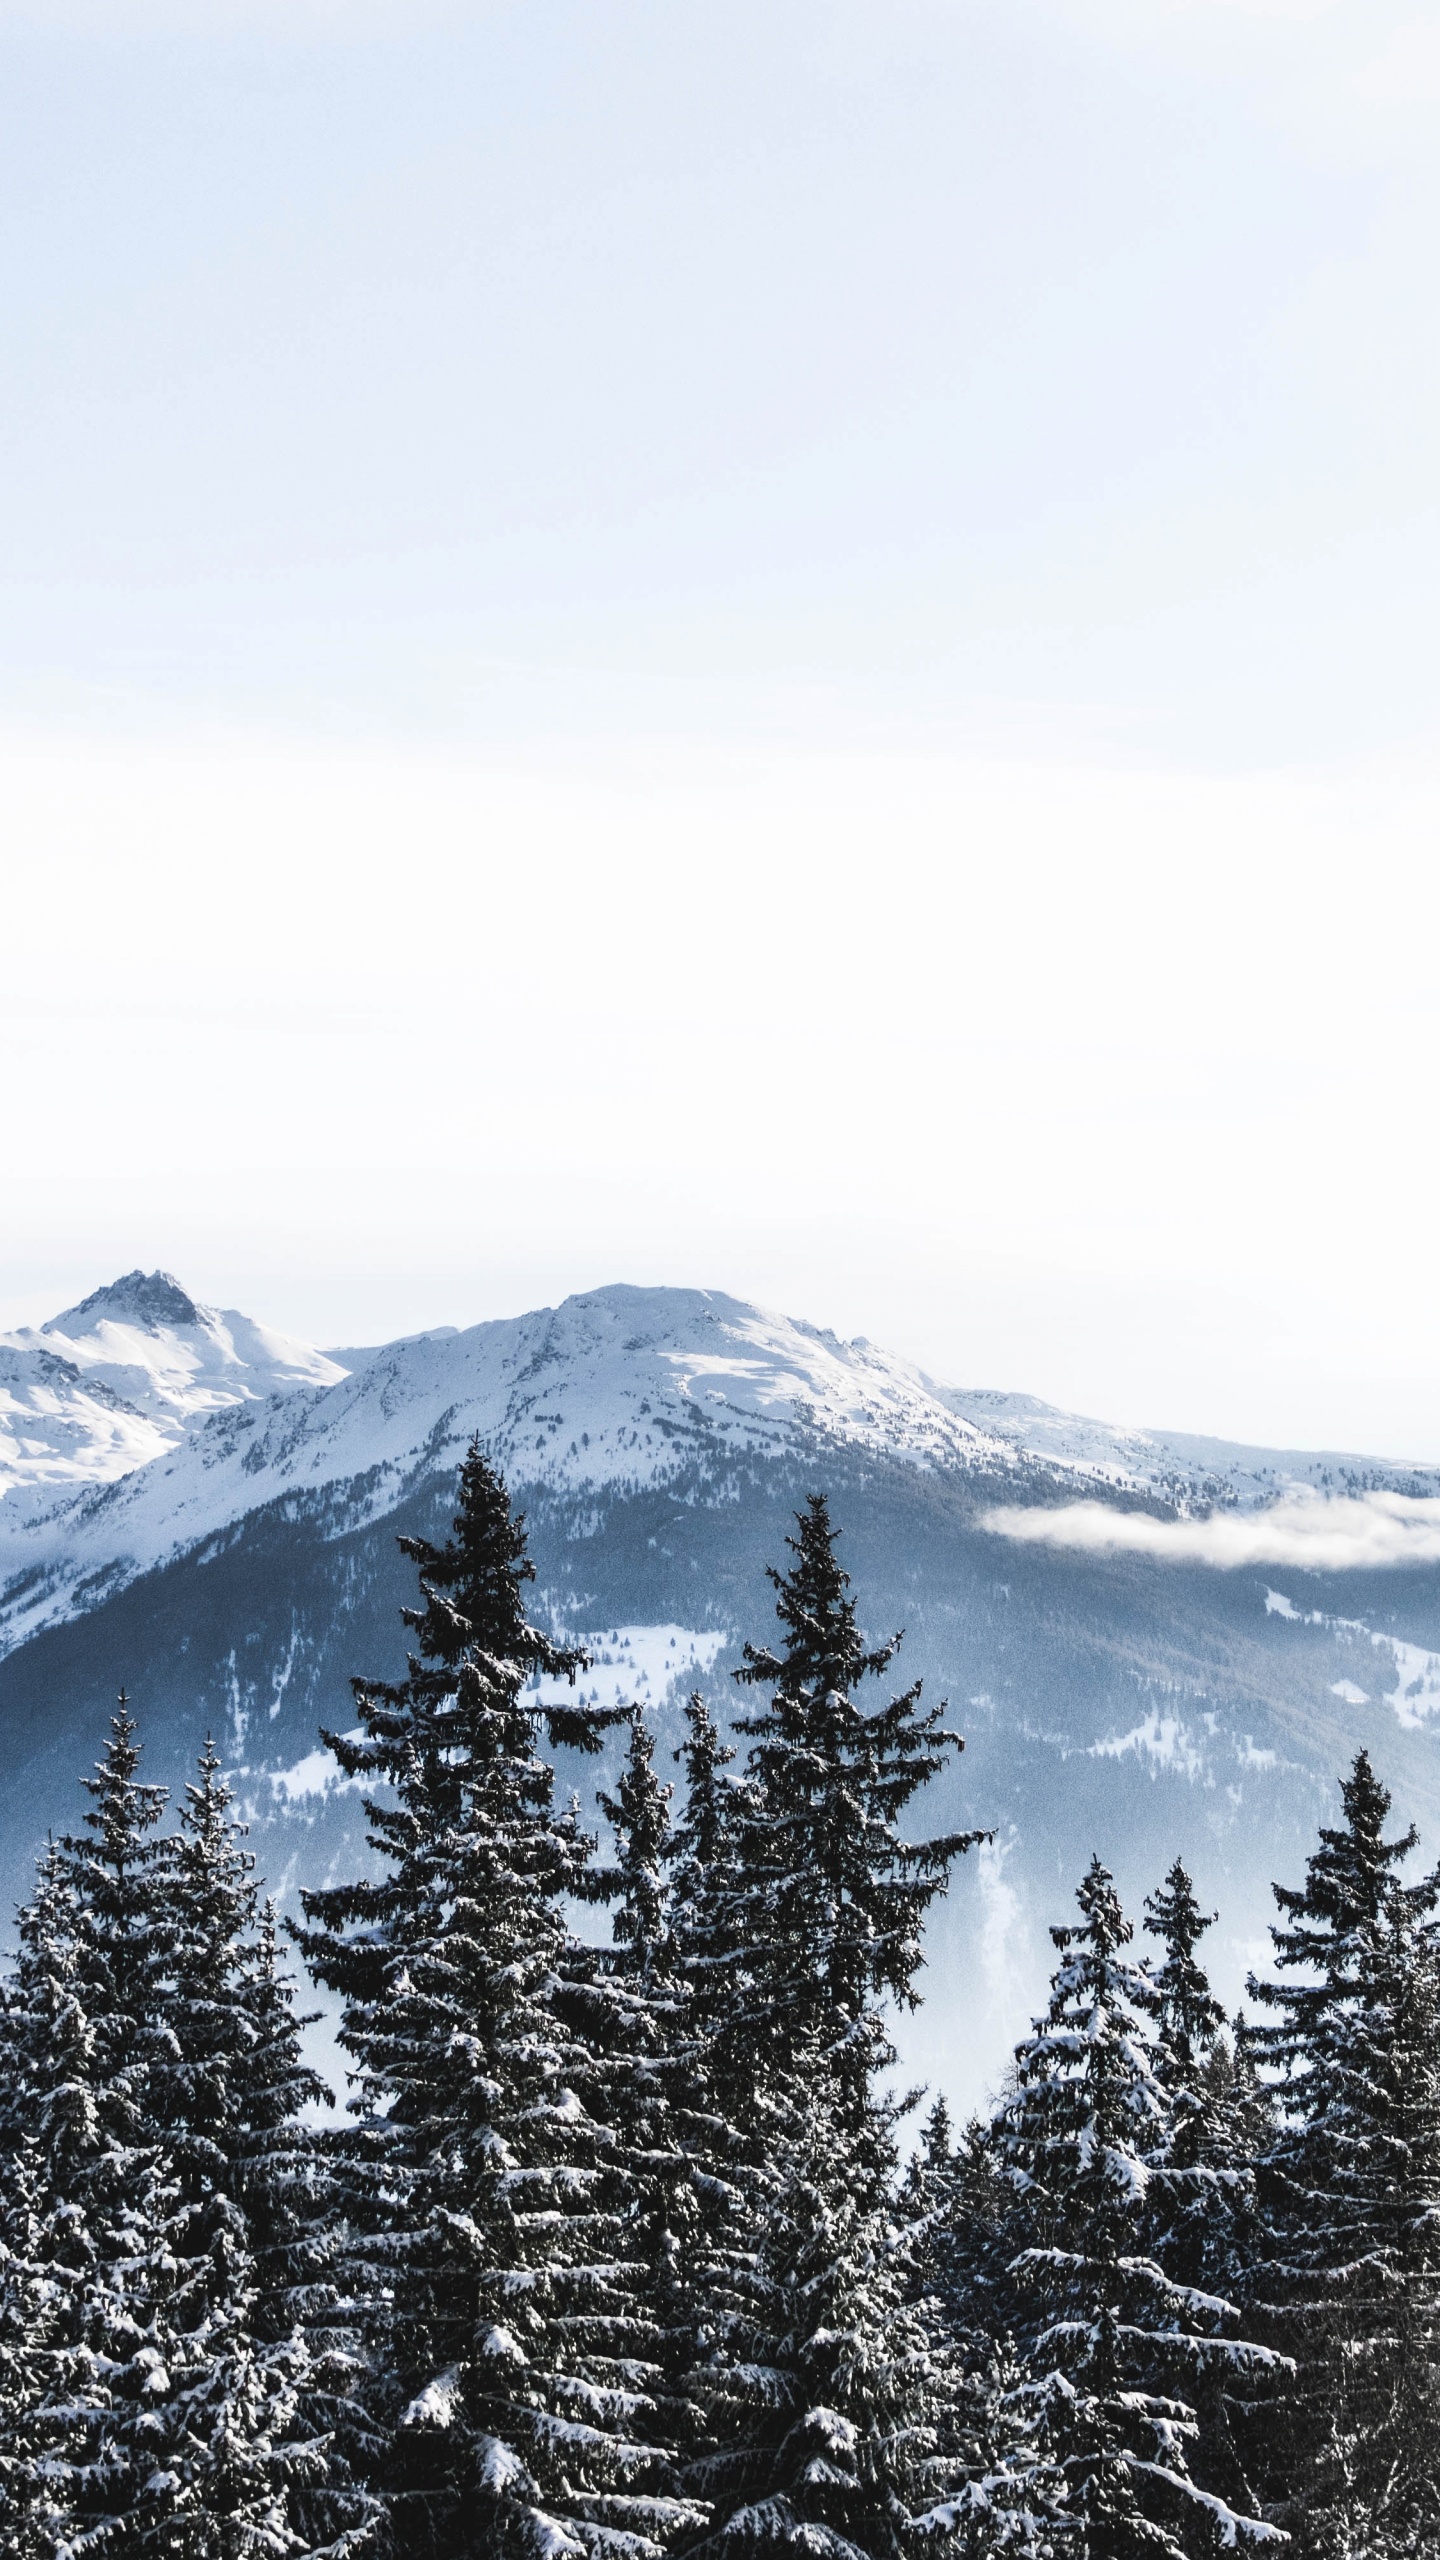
(613, 2250)
(660, 1442)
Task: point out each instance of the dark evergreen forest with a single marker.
(617, 2250)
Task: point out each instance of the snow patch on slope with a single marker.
(1162, 1740)
(635, 1666)
(1414, 1693)
(59, 1429)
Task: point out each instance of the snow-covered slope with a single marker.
(58, 1428)
(116, 1381)
(179, 1422)
(620, 1388)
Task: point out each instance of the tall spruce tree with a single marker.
(1119, 2352)
(98, 1942)
(639, 2019)
(1200, 2209)
(820, 2385)
(270, 2419)
(1201, 2189)
(492, 2190)
(826, 2398)
(719, 2209)
(707, 1919)
(834, 1899)
(1351, 2188)
(636, 1883)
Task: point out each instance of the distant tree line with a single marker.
(613, 2253)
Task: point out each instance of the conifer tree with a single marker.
(719, 2210)
(1351, 2187)
(1200, 2216)
(1201, 2183)
(267, 2421)
(822, 2397)
(991, 2485)
(707, 1916)
(820, 2387)
(636, 1884)
(1119, 2351)
(637, 2018)
(153, 2420)
(46, 2144)
(834, 1900)
(108, 2397)
(483, 2173)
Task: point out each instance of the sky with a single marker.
(782, 648)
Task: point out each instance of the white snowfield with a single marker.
(195, 1419)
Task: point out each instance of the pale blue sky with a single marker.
(939, 365)
(882, 512)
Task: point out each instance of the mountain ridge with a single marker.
(659, 1443)
(618, 1387)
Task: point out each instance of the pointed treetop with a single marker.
(1190, 2015)
(703, 1756)
(1351, 1890)
(206, 1818)
(635, 1880)
(937, 2136)
(473, 1585)
(124, 1809)
(1104, 1926)
(472, 1589)
(823, 1647)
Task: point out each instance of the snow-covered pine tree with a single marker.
(1188, 2015)
(636, 1883)
(266, 2420)
(992, 2486)
(719, 2209)
(970, 2230)
(47, 2140)
(1200, 2219)
(1118, 2351)
(124, 2345)
(706, 1913)
(157, 2418)
(1200, 2202)
(488, 2185)
(821, 2395)
(635, 2012)
(820, 2384)
(834, 1900)
(34, 2297)
(1351, 2189)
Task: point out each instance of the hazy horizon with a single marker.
(784, 650)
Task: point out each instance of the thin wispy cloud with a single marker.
(1318, 1533)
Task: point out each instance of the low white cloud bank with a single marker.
(1318, 1533)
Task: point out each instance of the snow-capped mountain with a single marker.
(208, 1512)
(114, 1382)
(180, 1421)
(615, 1390)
